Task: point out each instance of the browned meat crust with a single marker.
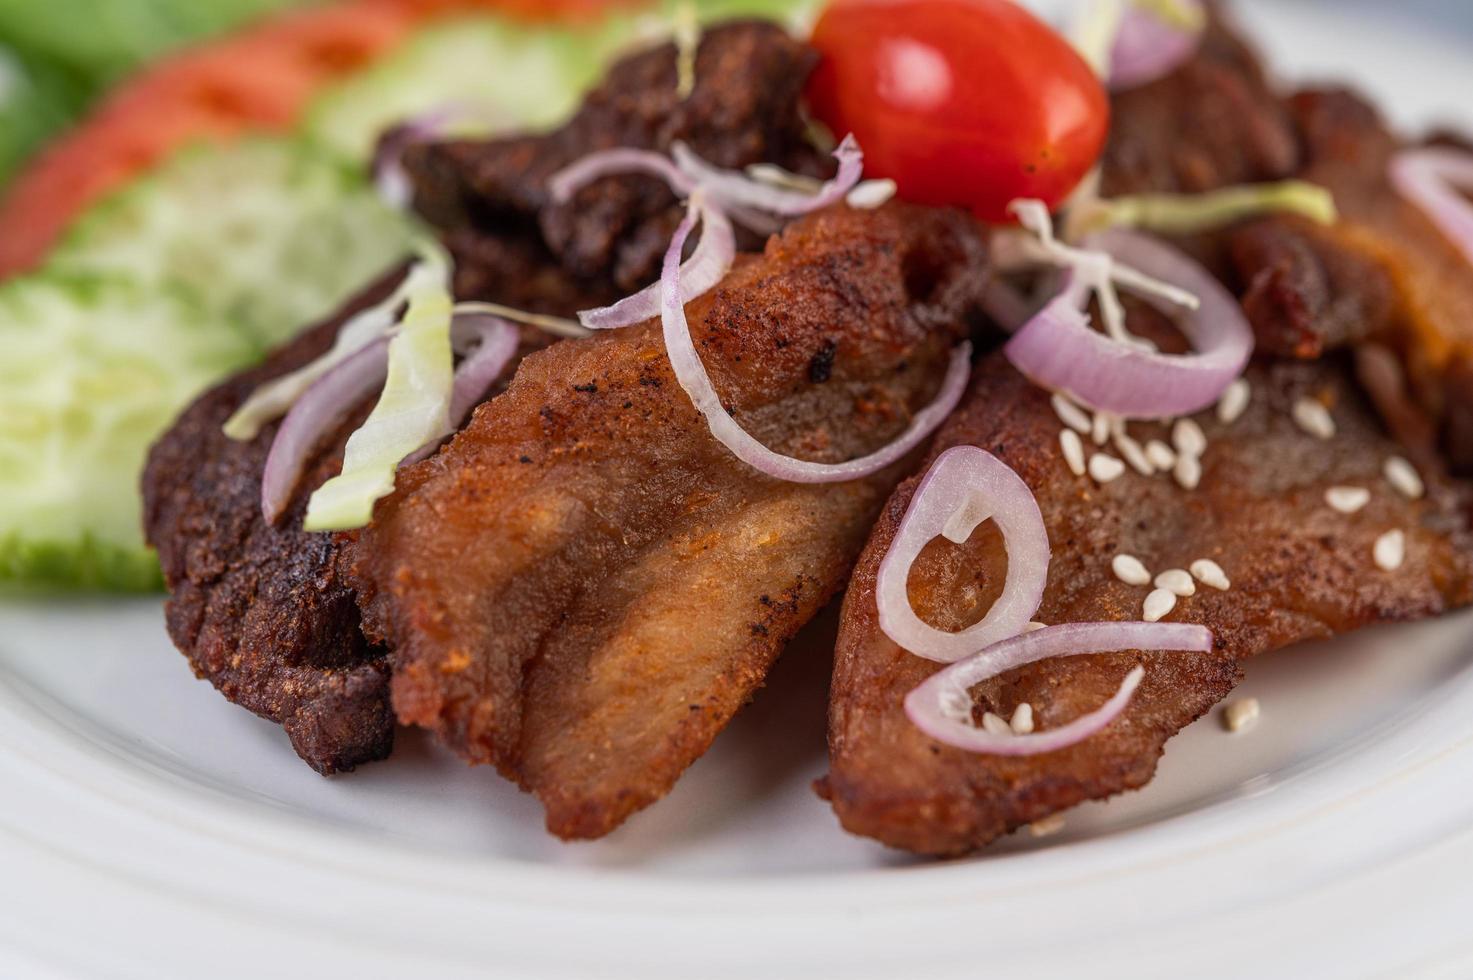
(1384, 273)
(1299, 569)
(608, 241)
(1212, 123)
(584, 586)
(260, 611)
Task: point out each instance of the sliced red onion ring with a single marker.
(691, 374)
(488, 343)
(1430, 179)
(963, 488)
(389, 176)
(737, 190)
(324, 406)
(702, 272)
(605, 163)
(1147, 47)
(941, 707)
(1058, 350)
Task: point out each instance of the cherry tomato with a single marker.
(962, 102)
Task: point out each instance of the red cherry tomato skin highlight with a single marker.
(962, 102)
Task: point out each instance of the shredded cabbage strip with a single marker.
(413, 410)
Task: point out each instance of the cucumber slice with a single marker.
(270, 233)
(92, 371)
(532, 76)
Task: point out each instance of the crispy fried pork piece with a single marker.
(608, 241)
(1384, 274)
(261, 611)
(1299, 570)
(1212, 123)
(584, 586)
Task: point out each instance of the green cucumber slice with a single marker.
(91, 371)
(270, 233)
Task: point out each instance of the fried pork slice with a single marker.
(1299, 570)
(1212, 123)
(1384, 276)
(490, 198)
(584, 586)
(260, 610)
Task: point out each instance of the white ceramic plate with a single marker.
(147, 829)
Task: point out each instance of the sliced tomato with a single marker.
(259, 79)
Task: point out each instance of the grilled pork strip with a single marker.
(259, 610)
(584, 586)
(1299, 571)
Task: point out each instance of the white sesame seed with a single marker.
(1130, 570)
(1162, 456)
(1022, 722)
(1188, 438)
(1177, 581)
(1100, 429)
(1071, 414)
(1390, 551)
(1404, 477)
(871, 194)
(1048, 826)
(1210, 573)
(1073, 447)
(1188, 472)
(1241, 715)
(1158, 605)
(1035, 627)
(1134, 454)
(1234, 401)
(995, 724)
(1347, 500)
(1313, 417)
(1103, 468)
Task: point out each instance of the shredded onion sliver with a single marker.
(606, 163)
(488, 344)
(324, 406)
(963, 488)
(738, 190)
(941, 707)
(702, 272)
(693, 378)
(1058, 350)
